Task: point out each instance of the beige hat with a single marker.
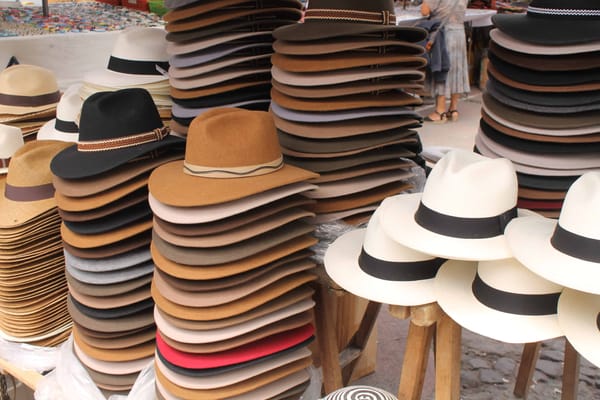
(26, 89)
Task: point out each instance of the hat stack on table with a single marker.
(138, 60)
(220, 53)
(342, 100)
(33, 289)
(542, 101)
(28, 97)
(102, 195)
(230, 243)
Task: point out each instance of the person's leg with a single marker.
(452, 112)
(440, 108)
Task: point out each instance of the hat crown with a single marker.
(69, 106)
(27, 80)
(469, 185)
(111, 115)
(30, 165)
(354, 5)
(225, 138)
(558, 5)
(580, 213)
(141, 44)
(379, 245)
(11, 139)
(509, 275)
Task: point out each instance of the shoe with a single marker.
(452, 115)
(442, 118)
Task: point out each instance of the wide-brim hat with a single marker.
(224, 7)
(28, 89)
(255, 163)
(369, 264)
(499, 299)
(225, 28)
(27, 191)
(64, 126)
(186, 115)
(552, 22)
(197, 69)
(104, 225)
(578, 318)
(545, 245)
(114, 263)
(343, 44)
(454, 217)
(333, 18)
(111, 367)
(220, 53)
(344, 60)
(138, 57)
(11, 139)
(234, 84)
(115, 128)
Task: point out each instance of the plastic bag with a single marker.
(28, 357)
(143, 388)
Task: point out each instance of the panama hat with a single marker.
(553, 22)
(369, 264)
(500, 299)
(578, 318)
(326, 19)
(545, 246)
(359, 392)
(64, 126)
(28, 190)
(138, 57)
(115, 128)
(26, 89)
(11, 139)
(457, 215)
(346, 44)
(249, 166)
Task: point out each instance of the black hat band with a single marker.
(136, 67)
(575, 245)
(399, 270)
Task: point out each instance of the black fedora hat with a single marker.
(554, 22)
(114, 128)
(335, 18)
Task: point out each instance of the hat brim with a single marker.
(111, 367)
(315, 30)
(114, 79)
(114, 263)
(549, 31)
(15, 111)
(332, 46)
(341, 264)
(49, 132)
(577, 316)
(397, 220)
(111, 277)
(455, 296)
(73, 164)
(529, 239)
(343, 115)
(511, 42)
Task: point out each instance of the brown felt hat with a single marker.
(236, 307)
(230, 85)
(135, 198)
(122, 324)
(27, 190)
(230, 154)
(538, 194)
(106, 302)
(221, 296)
(114, 342)
(359, 44)
(131, 353)
(104, 239)
(113, 249)
(223, 6)
(364, 100)
(235, 235)
(111, 367)
(338, 61)
(368, 146)
(113, 289)
(342, 129)
(221, 77)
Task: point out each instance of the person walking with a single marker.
(451, 13)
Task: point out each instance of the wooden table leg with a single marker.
(570, 372)
(414, 366)
(447, 359)
(529, 357)
(330, 364)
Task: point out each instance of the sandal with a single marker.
(452, 115)
(442, 118)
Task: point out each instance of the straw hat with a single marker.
(546, 246)
(467, 201)
(11, 139)
(28, 190)
(500, 299)
(230, 154)
(64, 126)
(26, 89)
(369, 264)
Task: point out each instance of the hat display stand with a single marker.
(101, 190)
(540, 109)
(220, 54)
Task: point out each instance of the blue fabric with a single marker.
(438, 59)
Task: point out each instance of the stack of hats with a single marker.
(138, 60)
(28, 97)
(542, 101)
(64, 126)
(33, 289)
(11, 140)
(102, 195)
(220, 53)
(342, 99)
(230, 243)
(447, 244)
(565, 251)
